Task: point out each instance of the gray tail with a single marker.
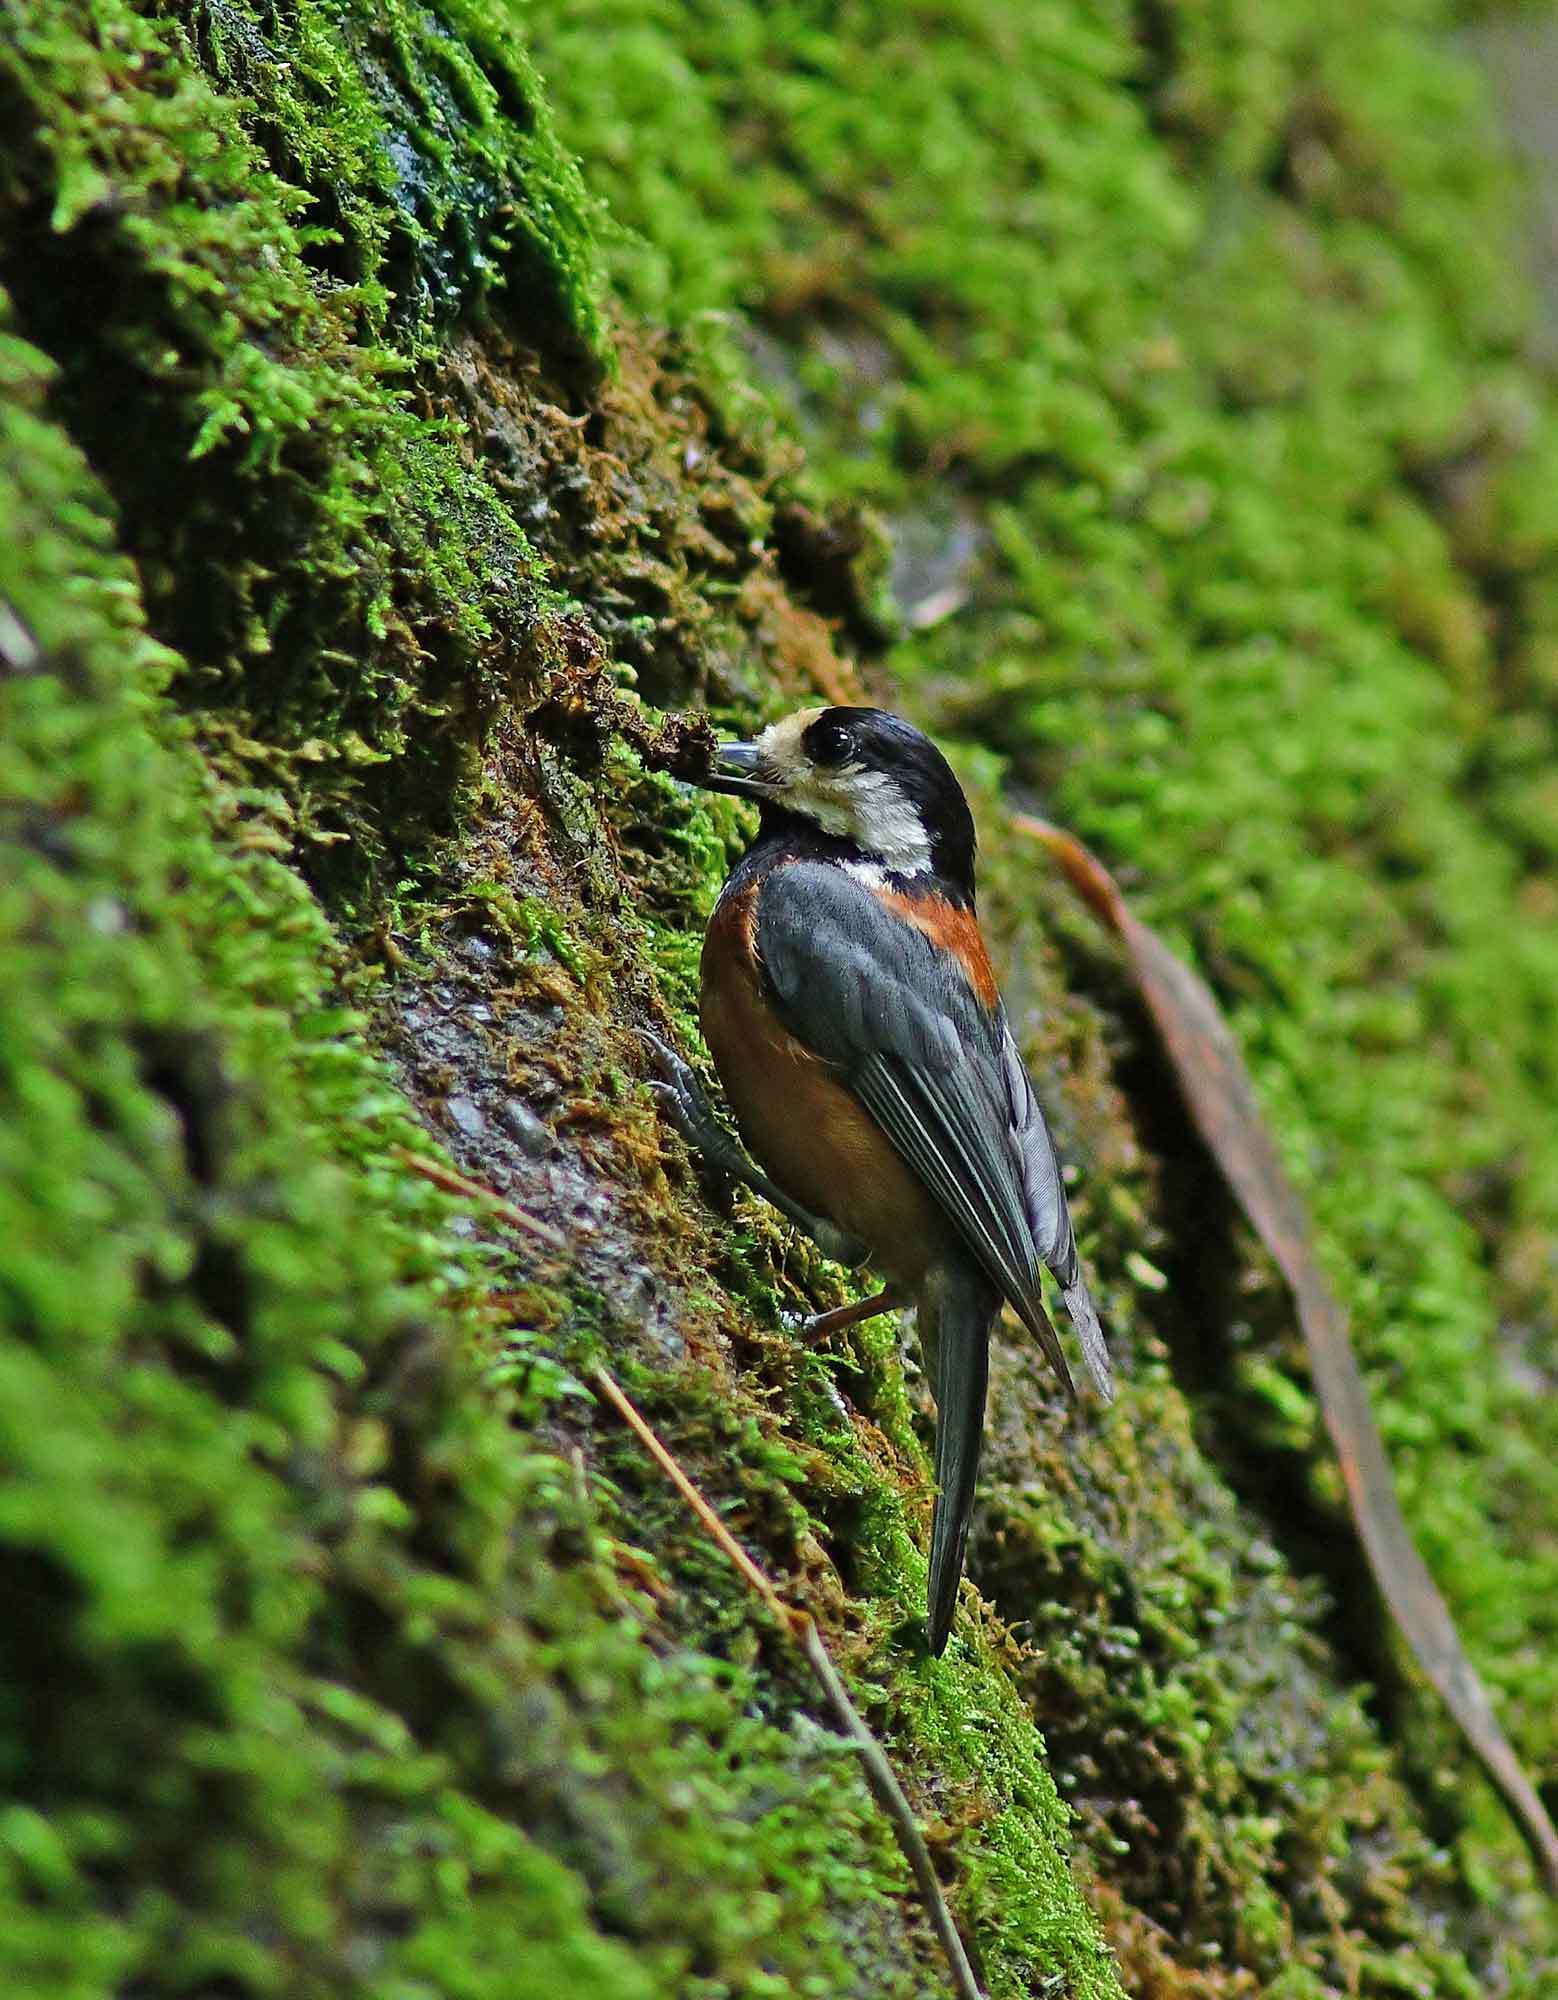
(957, 1309)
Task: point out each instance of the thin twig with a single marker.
(456, 1183)
(880, 1775)
(618, 1397)
(883, 1781)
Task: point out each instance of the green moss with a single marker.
(379, 1704)
(174, 1080)
(1210, 328)
(683, 844)
(972, 1760)
(422, 135)
(237, 269)
(1181, 349)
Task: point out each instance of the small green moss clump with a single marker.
(240, 237)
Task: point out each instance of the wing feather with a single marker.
(934, 1144)
(940, 1074)
(1049, 1216)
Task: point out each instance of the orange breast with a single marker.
(798, 1121)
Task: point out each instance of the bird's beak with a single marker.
(735, 771)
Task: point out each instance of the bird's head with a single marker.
(862, 777)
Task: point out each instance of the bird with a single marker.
(852, 1013)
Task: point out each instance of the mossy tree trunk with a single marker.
(359, 519)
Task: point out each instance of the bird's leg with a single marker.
(693, 1116)
(824, 1325)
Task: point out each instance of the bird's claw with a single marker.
(690, 1111)
(685, 1102)
(670, 1063)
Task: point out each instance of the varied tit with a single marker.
(853, 1016)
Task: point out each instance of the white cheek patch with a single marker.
(869, 808)
(887, 823)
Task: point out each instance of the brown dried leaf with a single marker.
(1222, 1103)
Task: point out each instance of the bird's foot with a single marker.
(686, 1104)
(834, 1243)
(823, 1326)
(689, 1110)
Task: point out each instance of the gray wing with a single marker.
(937, 1070)
(1049, 1217)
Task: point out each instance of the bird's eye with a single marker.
(827, 742)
